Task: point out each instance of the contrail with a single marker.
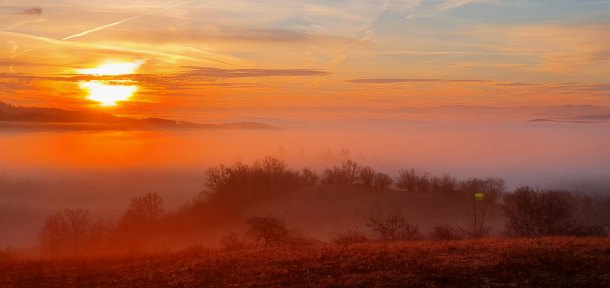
(123, 21)
(100, 28)
(95, 46)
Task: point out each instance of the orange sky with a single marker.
(203, 55)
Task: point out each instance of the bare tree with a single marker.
(382, 181)
(310, 177)
(70, 232)
(271, 165)
(393, 228)
(334, 175)
(444, 184)
(533, 212)
(482, 194)
(147, 209)
(367, 176)
(217, 179)
(351, 170)
(413, 181)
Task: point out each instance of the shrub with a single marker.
(382, 181)
(268, 231)
(232, 242)
(393, 228)
(367, 176)
(443, 233)
(349, 238)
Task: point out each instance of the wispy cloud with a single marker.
(100, 28)
(32, 11)
(397, 80)
(451, 4)
(251, 73)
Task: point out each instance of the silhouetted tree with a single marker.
(310, 177)
(393, 228)
(413, 181)
(367, 176)
(351, 170)
(334, 175)
(144, 211)
(70, 232)
(533, 212)
(444, 184)
(382, 181)
(217, 179)
(491, 187)
(271, 166)
(141, 222)
(268, 231)
(481, 194)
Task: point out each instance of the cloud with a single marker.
(32, 11)
(250, 73)
(451, 4)
(398, 80)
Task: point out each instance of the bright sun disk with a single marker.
(108, 93)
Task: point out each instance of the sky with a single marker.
(192, 56)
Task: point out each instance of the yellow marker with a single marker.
(479, 196)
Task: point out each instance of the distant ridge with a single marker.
(561, 121)
(37, 118)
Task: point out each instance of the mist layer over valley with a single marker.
(43, 172)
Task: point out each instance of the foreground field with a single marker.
(546, 262)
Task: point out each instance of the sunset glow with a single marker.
(304, 143)
(112, 69)
(107, 94)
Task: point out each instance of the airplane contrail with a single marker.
(100, 28)
(122, 21)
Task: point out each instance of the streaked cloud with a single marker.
(32, 11)
(250, 73)
(396, 80)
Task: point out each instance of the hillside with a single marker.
(543, 262)
(36, 118)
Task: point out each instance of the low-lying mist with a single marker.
(42, 173)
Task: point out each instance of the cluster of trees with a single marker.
(229, 191)
(536, 212)
(76, 231)
(351, 172)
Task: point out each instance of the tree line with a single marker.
(230, 190)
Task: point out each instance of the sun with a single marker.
(110, 93)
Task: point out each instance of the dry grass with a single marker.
(544, 262)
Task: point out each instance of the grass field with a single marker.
(544, 262)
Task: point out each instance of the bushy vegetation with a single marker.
(534, 212)
(232, 192)
(71, 232)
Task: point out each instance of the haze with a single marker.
(150, 94)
